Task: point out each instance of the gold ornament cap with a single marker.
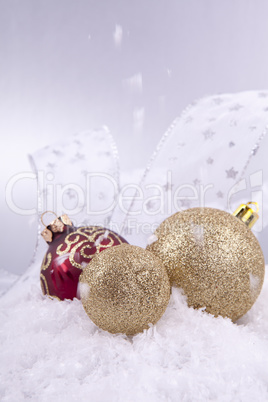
(56, 226)
(246, 214)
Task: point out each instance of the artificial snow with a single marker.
(6, 280)
(51, 351)
(118, 35)
(151, 239)
(138, 119)
(134, 83)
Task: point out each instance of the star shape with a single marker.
(79, 156)
(189, 119)
(45, 192)
(231, 173)
(233, 123)
(70, 194)
(235, 107)
(180, 145)
(208, 134)
(197, 182)
(185, 203)
(210, 161)
(218, 100)
(252, 128)
(150, 205)
(57, 152)
(168, 187)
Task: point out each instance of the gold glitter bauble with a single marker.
(124, 289)
(214, 258)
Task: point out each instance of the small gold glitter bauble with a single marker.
(124, 289)
(214, 257)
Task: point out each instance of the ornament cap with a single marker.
(56, 226)
(247, 214)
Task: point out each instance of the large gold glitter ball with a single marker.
(214, 257)
(124, 289)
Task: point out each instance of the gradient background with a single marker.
(62, 71)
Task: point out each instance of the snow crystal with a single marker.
(118, 36)
(151, 239)
(83, 290)
(99, 240)
(61, 258)
(106, 234)
(254, 283)
(198, 232)
(138, 118)
(134, 83)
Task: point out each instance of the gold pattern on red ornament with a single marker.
(70, 249)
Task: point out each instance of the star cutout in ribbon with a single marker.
(210, 161)
(208, 134)
(236, 107)
(231, 173)
(168, 187)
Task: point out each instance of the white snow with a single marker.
(138, 118)
(151, 239)
(50, 350)
(198, 232)
(83, 290)
(106, 234)
(99, 240)
(254, 283)
(118, 35)
(134, 83)
(6, 280)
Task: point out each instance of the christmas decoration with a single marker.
(124, 289)
(214, 257)
(70, 249)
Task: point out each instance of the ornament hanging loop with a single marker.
(253, 203)
(246, 214)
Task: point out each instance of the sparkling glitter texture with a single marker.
(68, 251)
(214, 258)
(127, 289)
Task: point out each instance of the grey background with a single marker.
(61, 72)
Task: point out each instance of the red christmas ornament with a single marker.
(70, 249)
